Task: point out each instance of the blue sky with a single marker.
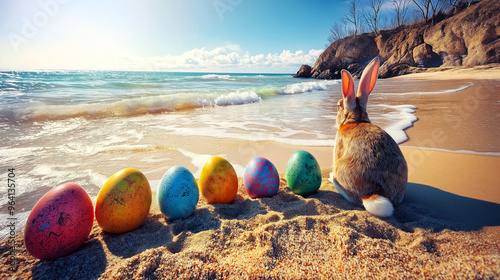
(205, 36)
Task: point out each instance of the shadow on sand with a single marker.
(77, 265)
(153, 234)
(471, 212)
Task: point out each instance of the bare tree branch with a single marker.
(437, 6)
(400, 7)
(336, 32)
(372, 15)
(424, 7)
(353, 15)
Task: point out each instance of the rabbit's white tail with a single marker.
(378, 205)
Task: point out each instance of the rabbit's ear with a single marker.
(348, 89)
(367, 82)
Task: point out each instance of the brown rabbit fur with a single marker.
(368, 162)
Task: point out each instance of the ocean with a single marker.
(83, 126)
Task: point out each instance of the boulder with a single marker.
(341, 54)
(327, 74)
(304, 72)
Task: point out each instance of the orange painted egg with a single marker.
(59, 223)
(218, 182)
(123, 202)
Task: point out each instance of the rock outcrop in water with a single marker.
(468, 38)
(304, 72)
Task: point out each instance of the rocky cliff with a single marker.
(467, 38)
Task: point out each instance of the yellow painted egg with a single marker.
(123, 202)
(218, 181)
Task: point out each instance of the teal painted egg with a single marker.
(178, 193)
(303, 173)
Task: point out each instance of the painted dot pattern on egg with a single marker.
(59, 223)
(123, 202)
(303, 173)
(218, 181)
(261, 178)
(177, 193)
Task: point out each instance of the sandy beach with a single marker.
(448, 226)
(480, 72)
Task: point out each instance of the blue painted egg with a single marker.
(261, 178)
(303, 173)
(178, 193)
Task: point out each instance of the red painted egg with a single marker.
(59, 223)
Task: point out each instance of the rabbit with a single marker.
(369, 168)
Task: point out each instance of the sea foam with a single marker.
(237, 98)
(135, 106)
(154, 104)
(460, 88)
(216, 77)
(308, 86)
(401, 117)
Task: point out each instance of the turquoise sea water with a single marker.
(98, 94)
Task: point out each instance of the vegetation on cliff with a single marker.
(465, 35)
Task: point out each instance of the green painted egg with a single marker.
(303, 173)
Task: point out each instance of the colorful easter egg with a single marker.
(123, 202)
(261, 178)
(218, 182)
(303, 173)
(59, 223)
(177, 193)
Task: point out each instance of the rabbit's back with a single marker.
(368, 161)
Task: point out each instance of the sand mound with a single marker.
(286, 236)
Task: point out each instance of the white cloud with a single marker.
(228, 58)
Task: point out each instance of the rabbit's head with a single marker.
(352, 108)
